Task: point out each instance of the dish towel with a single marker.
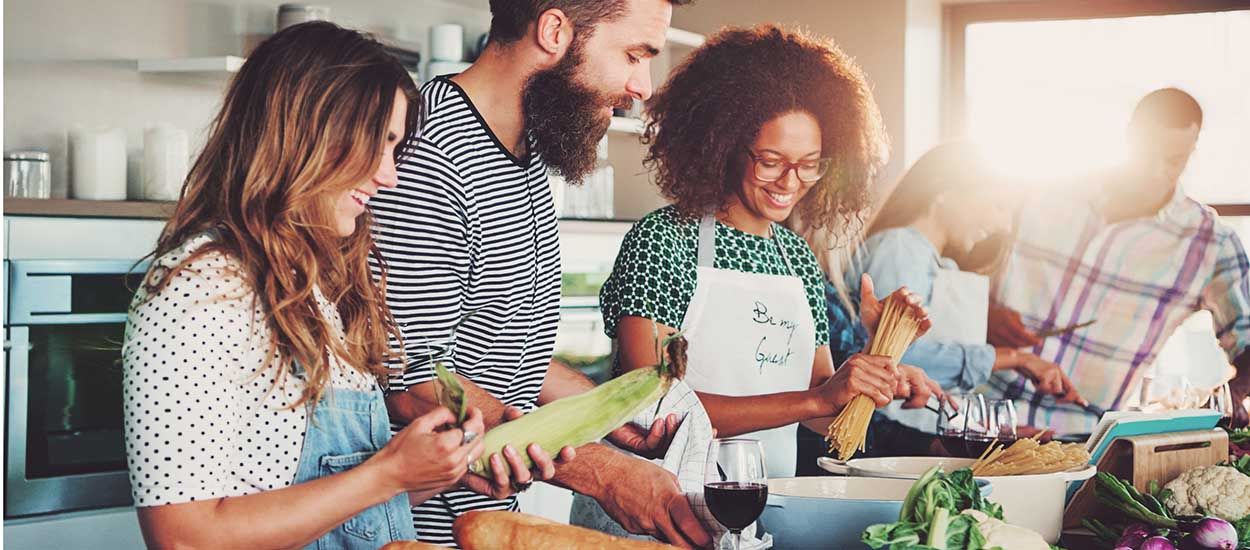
(686, 458)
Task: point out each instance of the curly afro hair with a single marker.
(715, 102)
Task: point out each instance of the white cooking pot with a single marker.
(1032, 501)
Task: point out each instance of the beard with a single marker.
(566, 118)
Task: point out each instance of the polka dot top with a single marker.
(203, 418)
(655, 272)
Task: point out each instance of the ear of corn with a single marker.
(585, 418)
(450, 392)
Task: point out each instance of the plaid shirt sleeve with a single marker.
(1227, 295)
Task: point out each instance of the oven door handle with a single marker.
(17, 363)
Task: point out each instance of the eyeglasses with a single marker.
(771, 169)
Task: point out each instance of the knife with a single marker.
(1065, 330)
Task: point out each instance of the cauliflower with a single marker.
(1218, 491)
(1004, 535)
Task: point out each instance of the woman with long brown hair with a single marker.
(255, 346)
(940, 233)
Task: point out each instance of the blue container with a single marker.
(805, 513)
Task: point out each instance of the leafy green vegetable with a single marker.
(1121, 496)
(969, 494)
(1243, 532)
(1105, 535)
(930, 517)
(1242, 464)
(1239, 436)
(892, 535)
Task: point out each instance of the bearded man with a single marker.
(471, 241)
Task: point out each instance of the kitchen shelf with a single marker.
(217, 64)
(685, 38)
(626, 125)
(155, 210)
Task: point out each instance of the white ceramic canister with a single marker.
(294, 14)
(165, 155)
(98, 164)
(447, 42)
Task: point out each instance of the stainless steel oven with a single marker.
(64, 445)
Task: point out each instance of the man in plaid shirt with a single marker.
(1129, 249)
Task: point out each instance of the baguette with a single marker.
(517, 531)
(411, 545)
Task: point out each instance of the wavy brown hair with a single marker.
(304, 120)
(715, 102)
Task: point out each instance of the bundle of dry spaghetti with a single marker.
(1029, 456)
(895, 332)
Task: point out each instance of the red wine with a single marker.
(976, 446)
(735, 505)
(954, 444)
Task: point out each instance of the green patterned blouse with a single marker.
(655, 271)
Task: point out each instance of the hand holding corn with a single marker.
(575, 421)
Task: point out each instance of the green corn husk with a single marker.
(581, 419)
(450, 393)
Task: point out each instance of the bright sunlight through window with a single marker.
(1051, 98)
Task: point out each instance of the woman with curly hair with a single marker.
(755, 126)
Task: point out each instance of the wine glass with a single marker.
(1166, 392)
(958, 413)
(1222, 400)
(999, 425)
(735, 484)
(977, 435)
(1003, 420)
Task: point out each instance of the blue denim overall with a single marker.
(345, 428)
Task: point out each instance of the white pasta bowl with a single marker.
(1033, 501)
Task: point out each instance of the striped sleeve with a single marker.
(428, 237)
(1227, 296)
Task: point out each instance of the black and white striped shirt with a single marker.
(470, 236)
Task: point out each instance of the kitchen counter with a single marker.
(88, 209)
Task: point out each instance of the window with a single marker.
(1048, 88)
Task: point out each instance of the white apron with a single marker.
(958, 307)
(750, 334)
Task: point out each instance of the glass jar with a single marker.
(27, 175)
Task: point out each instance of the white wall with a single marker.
(896, 42)
(922, 79)
(72, 62)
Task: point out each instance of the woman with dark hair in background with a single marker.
(756, 124)
(925, 238)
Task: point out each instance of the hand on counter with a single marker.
(508, 472)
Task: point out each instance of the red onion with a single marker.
(1157, 543)
(1215, 533)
